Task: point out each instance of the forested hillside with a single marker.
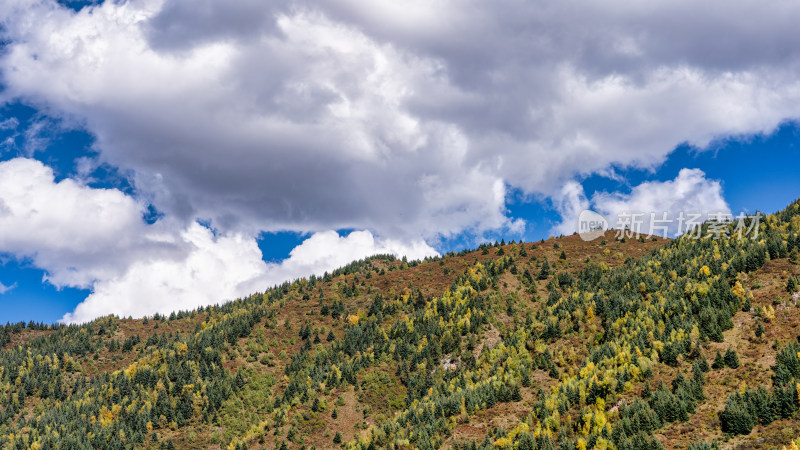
(559, 344)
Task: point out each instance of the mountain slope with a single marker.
(556, 344)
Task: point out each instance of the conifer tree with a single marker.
(731, 359)
(736, 417)
(719, 362)
(545, 272)
(792, 285)
(516, 393)
(646, 390)
(702, 364)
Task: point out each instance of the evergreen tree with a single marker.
(702, 364)
(516, 393)
(646, 390)
(545, 272)
(736, 418)
(731, 359)
(719, 362)
(792, 285)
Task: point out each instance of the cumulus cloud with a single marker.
(327, 250)
(305, 130)
(655, 207)
(569, 202)
(410, 120)
(226, 267)
(662, 204)
(77, 233)
(213, 270)
(96, 238)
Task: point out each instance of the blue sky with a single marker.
(159, 156)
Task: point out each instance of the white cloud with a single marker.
(352, 114)
(303, 131)
(690, 195)
(4, 288)
(569, 203)
(224, 268)
(9, 124)
(411, 121)
(78, 234)
(327, 250)
(213, 270)
(97, 239)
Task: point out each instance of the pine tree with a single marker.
(516, 393)
(545, 272)
(760, 329)
(736, 417)
(669, 355)
(703, 365)
(526, 275)
(526, 441)
(792, 285)
(239, 381)
(719, 362)
(646, 390)
(305, 331)
(731, 359)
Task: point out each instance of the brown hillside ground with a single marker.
(267, 351)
